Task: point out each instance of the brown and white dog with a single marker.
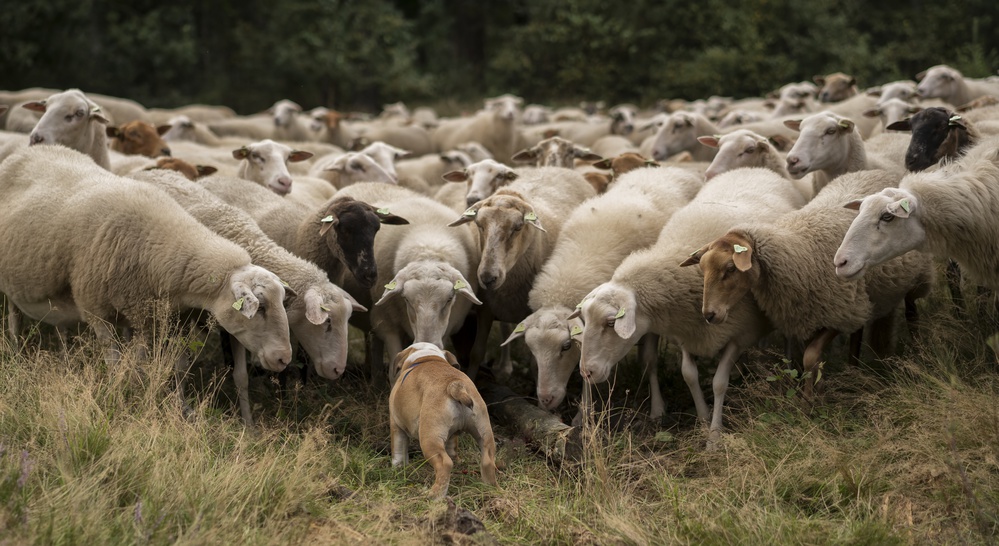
(433, 400)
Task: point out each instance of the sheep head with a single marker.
(729, 273)
(139, 138)
(348, 227)
(612, 325)
(887, 225)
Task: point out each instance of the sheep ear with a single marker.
(241, 153)
(853, 81)
(874, 92)
(532, 219)
(163, 129)
(392, 289)
(846, 125)
(327, 222)
(245, 302)
(742, 257)
(387, 218)
(401, 154)
(314, 311)
(603, 164)
(901, 208)
(903, 125)
(96, 115)
(914, 109)
(585, 154)
(299, 155)
(465, 217)
(462, 287)
(853, 205)
(114, 132)
(624, 321)
(957, 121)
(517, 332)
(872, 112)
(354, 305)
(694, 257)
(205, 170)
(37, 106)
(819, 80)
(3, 109)
(523, 156)
(794, 124)
(710, 141)
(780, 143)
(921, 75)
(456, 176)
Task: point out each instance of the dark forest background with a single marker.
(361, 54)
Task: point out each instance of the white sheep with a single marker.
(426, 272)
(254, 128)
(413, 138)
(678, 133)
(432, 167)
(830, 145)
(613, 146)
(349, 168)
(740, 117)
(596, 238)
(650, 292)
(495, 128)
(892, 110)
(266, 163)
(744, 148)
(535, 114)
(949, 212)
(620, 120)
(518, 226)
(903, 90)
(475, 150)
(836, 87)
(317, 313)
(555, 152)
(201, 113)
(946, 83)
(131, 244)
(73, 120)
(289, 123)
(784, 265)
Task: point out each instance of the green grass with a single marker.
(904, 451)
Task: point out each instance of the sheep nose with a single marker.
(165, 151)
(36, 139)
(488, 279)
(585, 373)
(792, 160)
(709, 316)
(841, 263)
(546, 401)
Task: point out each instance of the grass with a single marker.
(904, 451)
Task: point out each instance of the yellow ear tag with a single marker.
(382, 212)
(954, 119)
(520, 328)
(327, 220)
(844, 124)
(469, 213)
(286, 285)
(324, 308)
(576, 330)
(904, 204)
(238, 305)
(459, 284)
(739, 249)
(620, 313)
(580, 304)
(391, 286)
(530, 217)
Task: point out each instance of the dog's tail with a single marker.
(456, 390)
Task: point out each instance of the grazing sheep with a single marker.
(139, 138)
(785, 266)
(266, 163)
(130, 244)
(518, 226)
(937, 133)
(422, 269)
(555, 152)
(595, 239)
(349, 168)
(836, 87)
(650, 292)
(949, 212)
(495, 127)
(946, 83)
(317, 314)
(830, 146)
(338, 236)
(71, 119)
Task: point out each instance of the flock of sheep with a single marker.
(577, 230)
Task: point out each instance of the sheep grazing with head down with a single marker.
(650, 292)
(785, 266)
(130, 244)
(937, 133)
(73, 120)
(950, 212)
(596, 238)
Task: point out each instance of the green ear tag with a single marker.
(391, 286)
(620, 313)
(238, 305)
(954, 119)
(327, 220)
(459, 284)
(904, 204)
(576, 330)
(469, 212)
(739, 249)
(324, 308)
(530, 217)
(844, 124)
(520, 328)
(382, 212)
(286, 285)
(580, 304)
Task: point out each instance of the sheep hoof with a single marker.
(714, 441)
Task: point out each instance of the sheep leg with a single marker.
(689, 369)
(400, 445)
(912, 316)
(720, 386)
(63, 334)
(648, 354)
(484, 322)
(393, 346)
(180, 369)
(376, 366)
(953, 275)
(105, 335)
(856, 344)
(14, 323)
(813, 352)
(241, 378)
(504, 367)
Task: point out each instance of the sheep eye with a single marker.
(256, 157)
(357, 167)
(887, 217)
(831, 131)
(730, 268)
(611, 322)
(749, 150)
(70, 117)
(518, 227)
(566, 345)
(80, 113)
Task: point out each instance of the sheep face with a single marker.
(887, 225)
(936, 133)
(505, 108)
(181, 128)
(139, 138)
(892, 111)
(625, 162)
(483, 179)
(349, 227)
(475, 150)
(317, 119)
(939, 82)
(623, 119)
(727, 266)
(318, 319)
(353, 167)
(385, 155)
(823, 144)
(284, 113)
(740, 117)
(266, 163)
(553, 339)
(67, 119)
(555, 152)
(676, 134)
(903, 91)
(612, 325)
(507, 229)
(736, 149)
(251, 308)
(836, 87)
(191, 172)
(535, 114)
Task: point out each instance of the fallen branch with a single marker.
(540, 429)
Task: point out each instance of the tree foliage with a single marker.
(348, 54)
